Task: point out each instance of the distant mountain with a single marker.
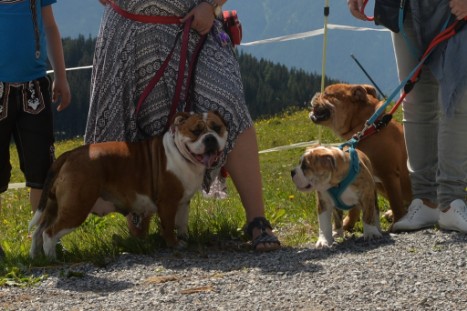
(264, 19)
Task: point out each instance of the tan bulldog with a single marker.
(159, 175)
(322, 168)
(345, 108)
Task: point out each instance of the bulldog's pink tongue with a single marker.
(209, 160)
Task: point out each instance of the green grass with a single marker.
(213, 223)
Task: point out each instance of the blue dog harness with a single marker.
(336, 191)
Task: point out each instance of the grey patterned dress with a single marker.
(127, 56)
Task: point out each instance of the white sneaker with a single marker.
(418, 216)
(455, 218)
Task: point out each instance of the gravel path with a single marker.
(425, 270)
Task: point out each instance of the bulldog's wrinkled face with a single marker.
(339, 102)
(318, 168)
(200, 138)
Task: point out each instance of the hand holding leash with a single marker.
(357, 8)
(459, 8)
(203, 18)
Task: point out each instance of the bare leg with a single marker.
(244, 169)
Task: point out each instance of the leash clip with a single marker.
(360, 134)
(383, 122)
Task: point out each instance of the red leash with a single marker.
(443, 36)
(176, 99)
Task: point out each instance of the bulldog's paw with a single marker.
(338, 233)
(323, 242)
(371, 232)
(181, 245)
(349, 222)
(389, 216)
(183, 237)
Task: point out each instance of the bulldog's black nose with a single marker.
(211, 144)
(292, 173)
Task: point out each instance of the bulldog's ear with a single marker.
(220, 117)
(312, 146)
(359, 93)
(328, 162)
(180, 117)
(370, 90)
(315, 98)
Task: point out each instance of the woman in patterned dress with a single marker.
(127, 56)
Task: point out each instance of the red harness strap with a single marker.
(176, 99)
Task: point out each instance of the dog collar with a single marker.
(336, 191)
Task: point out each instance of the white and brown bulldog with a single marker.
(159, 175)
(323, 168)
(345, 108)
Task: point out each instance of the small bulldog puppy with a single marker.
(322, 168)
(345, 108)
(159, 175)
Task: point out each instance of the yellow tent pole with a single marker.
(323, 65)
(325, 43)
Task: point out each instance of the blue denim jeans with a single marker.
(436, 143)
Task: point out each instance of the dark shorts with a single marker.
(26, 117)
